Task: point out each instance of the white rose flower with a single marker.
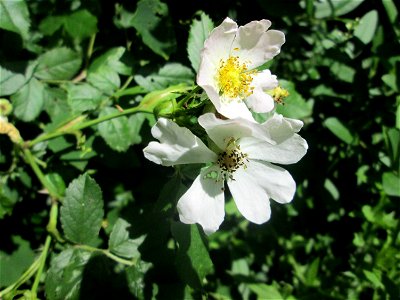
(228, 65)
(243, 158)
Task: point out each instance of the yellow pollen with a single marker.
(234, 79)
(279, 94)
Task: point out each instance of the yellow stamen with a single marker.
(234, 79)
(279, 94)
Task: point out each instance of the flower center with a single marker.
(234, 79)
(231, 159)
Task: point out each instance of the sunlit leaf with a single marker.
(170, 74)
(334, 8)
(82, 210)
(366, 27)
(64, 277)
(338, 129)
(199, 31)
(14, 16)
(193, 261)
(58, 64)
(115, 132)
(28, 101)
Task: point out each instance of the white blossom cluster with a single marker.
(241, 152)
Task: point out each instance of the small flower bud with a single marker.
(5, 107)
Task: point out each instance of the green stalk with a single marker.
(106, 252)
(24, 277)
(71, 130)
(42, 262)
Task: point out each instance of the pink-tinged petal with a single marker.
(287, 152)
(255, 44)
(203, 203)
(178, 145)
(221, 131)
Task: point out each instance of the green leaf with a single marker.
(170, 74)
(28, 101)
(334, 8)
(83, 97)
(338, 129)
(391, 184)
(58, 64)
(51, 24)
(82, 210)
(112, 58)
(10, 82)
(199, 32)
(311, 275)
(135, 278)
(8, 198)
(81, 24)
(365, 30)
(14, 16)
(56, 183)
(63, 280)
(115, 132)
(374, 278)
(56, 105)
(105, 79)
(265, 291)
(192, 260)
(14, 264)
(342, 71)
(135, 123)
(295, 106)
(391, 10)
(120, 243)
(152, 23)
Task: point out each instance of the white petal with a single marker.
(203, 203)
(222, 131)
(280, 129)
(217, 46)
(287, 152)
(276, 181)
(234, 109)
(257, 45)
(260, 102)
(254, 185)
(265, 80)
(216, 49)
(251, 199)
(178, 146)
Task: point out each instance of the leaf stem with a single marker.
(42, 261)
(106, 252)
(24, 277)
